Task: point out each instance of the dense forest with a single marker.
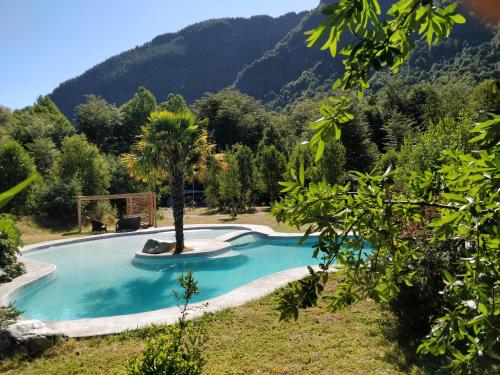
(205, 56)
(260, 124)
(260, 147)
(265, 58)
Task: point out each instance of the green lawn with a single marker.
(251, 340)
(35, 230)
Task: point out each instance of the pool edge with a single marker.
(251, 291)
(37, 270)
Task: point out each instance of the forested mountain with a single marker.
(206, 56)
(264, 57)
(291, 69)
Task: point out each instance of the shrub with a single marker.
(163, 355)
(180, 351)
(15, 166)
(102, 211)
(8, 315)
(10, 239)
(58, 200)
(417, 305)
(230, 185)
(272, 166)
(81, 160)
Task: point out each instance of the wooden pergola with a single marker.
(138, 204)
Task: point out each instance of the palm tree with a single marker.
(172, 147)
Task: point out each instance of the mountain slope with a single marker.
(264, 57)
(285, 62)
(284, 73)
(203, 57)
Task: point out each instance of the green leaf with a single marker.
(456, 353)
(6, 196)
(338, 133)
(447, 276)
(301, 174)
(320, 150)
(458, 18)
(482, 308)
(444, 220)
(454, 197)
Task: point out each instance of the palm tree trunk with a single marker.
(178, 209)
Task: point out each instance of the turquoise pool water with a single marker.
(97, 278)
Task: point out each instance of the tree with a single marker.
(135, 113)
(279, 134)
(233, 118)
(44, 153)
(330, 166)
(100, 121)
(174, 103)
(180, 352)
(271, 164)
(422, 151)
(459, 201)
(397, 128)
(372, 119)
(211, 182)
(47, 109)
(243, 156)
(121, 182)
(27, 127)
(16, 166)
(81, 161)
(486, 96)
(361, 153)
(171, 147)
(301, 114)
(41, 120)
(230, 185)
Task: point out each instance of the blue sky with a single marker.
(45, 42)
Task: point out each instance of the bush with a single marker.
(417, 305)
(102, 211)
(212, 183)
(164, 356)
(15, 166)
(82, 160)
(10, 239)
(230, 185)
(8, 315)
(58, 200)
(180, 351)
(272, 166)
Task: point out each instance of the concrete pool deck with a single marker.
(37, 271)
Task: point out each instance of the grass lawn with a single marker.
(250, 340)
(34, 231)
(243, 340)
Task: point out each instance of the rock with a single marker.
(158, 247)
(28, 336)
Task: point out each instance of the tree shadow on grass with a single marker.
(404, 354)
(229, 219)
(61, 224)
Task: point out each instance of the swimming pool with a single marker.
(98, 278)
